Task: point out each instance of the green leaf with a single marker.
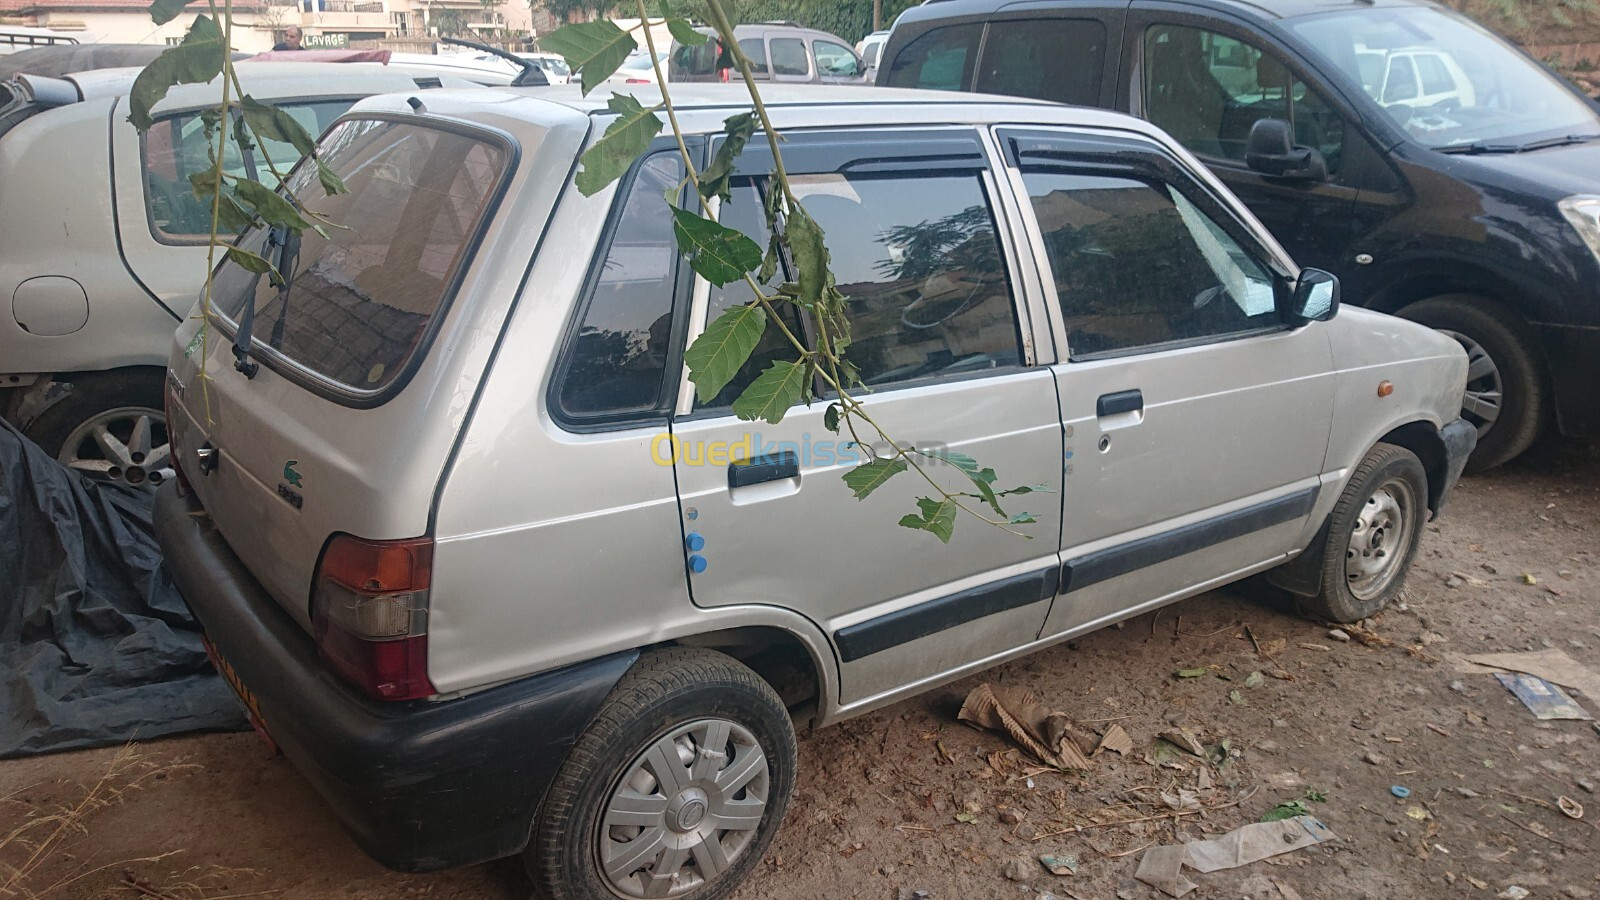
(247, 260)
(830, 418)
(938, 518)
(721, 350)
(769, 262)
(804, 237)
(331, 182)
(273, 209)
(625, 140)
(274, 124)
(715, 179)
(718, 253)
(962, 461)
(1028, 489)
(684, 33)
(868, 477)
(1286, 810)
(196, 60)
(594, 50)
(1022, 518)
(231, 218)
(773, 393)
(164, 11)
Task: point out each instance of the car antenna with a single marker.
(530, 75)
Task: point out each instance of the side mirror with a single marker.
(1271, 150)
(1316, 297)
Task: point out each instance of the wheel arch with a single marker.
(784, 660)
(1423, 439)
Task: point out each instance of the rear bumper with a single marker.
(421, 785)
(1573, 352)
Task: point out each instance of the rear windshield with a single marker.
(359, 301)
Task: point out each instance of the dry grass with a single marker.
(39, 855)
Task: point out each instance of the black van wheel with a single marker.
(1373, 536)
(110, 427)
(1505, 395)
(676, 788)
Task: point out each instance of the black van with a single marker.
(1442, 174)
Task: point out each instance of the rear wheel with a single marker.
(109, 427)
(1373, 537)
(1505, 396)
(675, 790)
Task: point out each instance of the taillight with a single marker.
(369, 614)
(170, 402)
(637, 81)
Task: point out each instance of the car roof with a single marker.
(264, 81)
(1258, 9)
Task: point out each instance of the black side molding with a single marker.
(1093, 568)
(934, 616)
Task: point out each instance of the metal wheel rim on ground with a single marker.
(127, 445)
(684, 810)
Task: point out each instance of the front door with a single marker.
(937, 326)
(1196, 420)
(1207, 81)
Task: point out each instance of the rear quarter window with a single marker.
(940, 60)
(1060, 60)
(362, 297)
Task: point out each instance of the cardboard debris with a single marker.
(1049, 736)
(1543, 699)
(1162, 867)
(1116, 740)
(1551, 665)
(1183, 739)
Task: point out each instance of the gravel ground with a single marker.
(909, 798)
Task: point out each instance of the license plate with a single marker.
(252, 707)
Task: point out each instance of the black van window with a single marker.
(1031, 58)
(941, 60)
(1208, 90)
(617, 359)
(755, 50)
(789, 57)
(1137, 264)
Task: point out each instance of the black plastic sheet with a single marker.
(96, 645)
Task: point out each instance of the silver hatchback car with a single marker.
(479, 562)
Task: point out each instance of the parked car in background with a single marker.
(1444, 175)
(638, 68)
(553, 65)
(99, 260)
(17, 38)
(869, 49)
(778, 51)
(464, 545)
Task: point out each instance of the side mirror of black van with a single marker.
(1271, 150)
(1316, 297)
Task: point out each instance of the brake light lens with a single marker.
(369, 614)
(637, 81)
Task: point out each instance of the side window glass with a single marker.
(177, 147)
(789, 57)
(941, 60)
(1047, 59)
(755, 50)
(1136, 264)
(1208, 90)
(616, 362)
(1402, 83)
(1435, 77)
(835, 60)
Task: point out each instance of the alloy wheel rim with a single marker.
(126, 446)
(1380, 539)
(1484, 398)
(684, 811)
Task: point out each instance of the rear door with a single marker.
(938, 324)
(1196, 422)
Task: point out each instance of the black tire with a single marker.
(1509, 346)
(664, 692)
(96, 394)
(1353, 540)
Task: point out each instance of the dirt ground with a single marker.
(909, 798)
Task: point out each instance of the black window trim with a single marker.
(682, 283)
(201, 240)
(343, 394)
(909, 152)
(1117, 157)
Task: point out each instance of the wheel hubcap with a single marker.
(1485, 394)
(1380, 539)
(684, 811)
(126, 446)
